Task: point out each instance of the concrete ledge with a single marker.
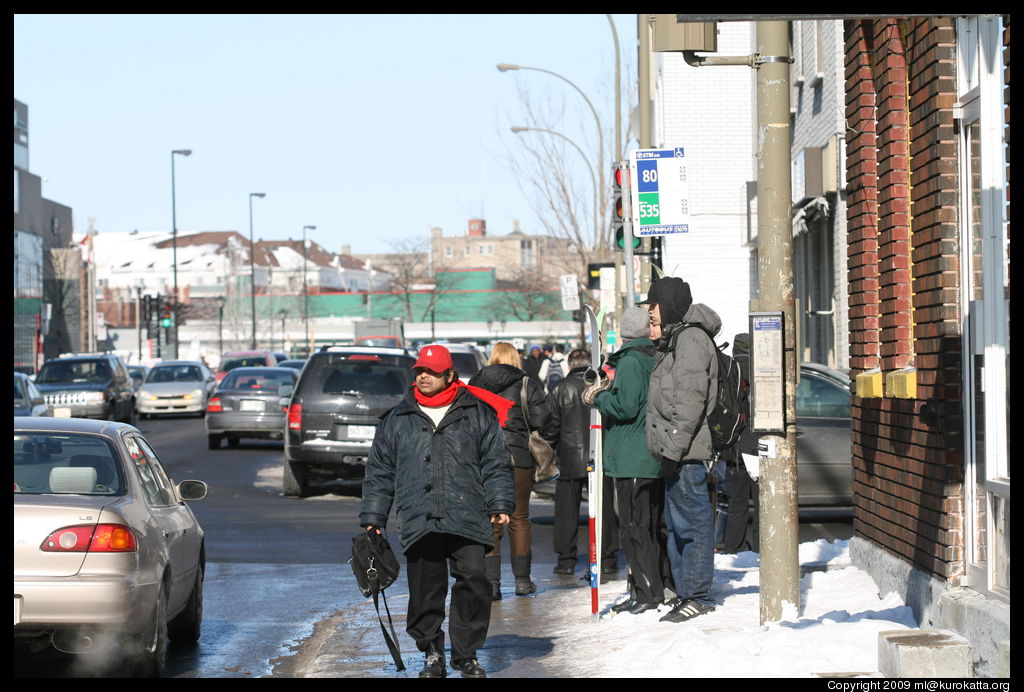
(983, 621)
(924, 654)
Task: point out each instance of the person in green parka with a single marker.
(637, 475)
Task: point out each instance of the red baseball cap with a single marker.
(435, 358)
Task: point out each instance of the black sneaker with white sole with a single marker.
(687, 610)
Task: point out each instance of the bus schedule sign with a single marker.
(659, 191)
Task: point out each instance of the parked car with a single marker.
(334, 411)
(296, 363)
(28, 401)
(823, 443)
(467, 360)
(138, 374)
(243, 359)
(88, 386)
(248, 403)
(107, 554)
(176, 386)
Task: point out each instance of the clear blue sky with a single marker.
(371, 127)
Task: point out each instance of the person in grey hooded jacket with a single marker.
(683, 390)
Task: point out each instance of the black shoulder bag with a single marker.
(376, 568)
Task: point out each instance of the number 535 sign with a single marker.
(659, 191)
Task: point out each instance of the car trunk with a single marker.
(36, 517)
(345, 416)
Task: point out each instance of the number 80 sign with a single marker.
(659, 191)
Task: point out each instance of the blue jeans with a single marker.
(691, 544)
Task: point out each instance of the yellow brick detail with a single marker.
(869, 385)
(901, 384)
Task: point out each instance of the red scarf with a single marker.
(500, 404)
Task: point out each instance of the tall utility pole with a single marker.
(643, 72)
(252, 271)
(780, 565)
(305, 287)
(174, 243)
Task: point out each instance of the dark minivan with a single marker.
(333, 414)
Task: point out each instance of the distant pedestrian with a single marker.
(533, 362)
(569, 433)
(441, 457)
(741, 488)
(503, 376)
(555, 368)
(637, 475)
(682, 393)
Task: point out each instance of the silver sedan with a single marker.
(108, 557)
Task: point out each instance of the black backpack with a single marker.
(729, 417)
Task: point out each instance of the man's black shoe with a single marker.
(628, 604)
(643, 607)
(687, 610)
(470, 668)
(434, 667)
(525, 587)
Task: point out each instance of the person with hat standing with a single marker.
(637, 475)
(683, 391)
(440, 457)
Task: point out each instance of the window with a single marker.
(155, 483)
(818, 398)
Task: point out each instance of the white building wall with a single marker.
(710, 111)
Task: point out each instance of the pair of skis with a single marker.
(595, 466)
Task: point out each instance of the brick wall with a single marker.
(903, 286)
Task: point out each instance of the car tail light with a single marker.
(214, 405)
(361, 356)
(295, 417)
(101, 538)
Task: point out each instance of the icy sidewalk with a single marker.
(835, 632)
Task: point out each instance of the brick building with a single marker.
(927, 111)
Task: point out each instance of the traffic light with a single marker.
(620, 186)
(165, 321)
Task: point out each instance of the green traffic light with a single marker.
(620, 241)
(165, 322)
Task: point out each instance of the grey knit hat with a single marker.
(635, 324)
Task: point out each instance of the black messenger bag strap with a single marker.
(391, 639)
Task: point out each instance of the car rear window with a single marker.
(466, 364)
(244, 362)
(270, 379)
(65, 464)
(335, 374)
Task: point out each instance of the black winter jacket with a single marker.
(569, 431)
(448, 479)
(506, 381)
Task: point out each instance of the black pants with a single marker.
(741, 490)
(428, 561)
(641, 507)
(568, 498)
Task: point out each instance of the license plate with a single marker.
(17, 609)
(61, 413)
(251, 405)
(362, 432)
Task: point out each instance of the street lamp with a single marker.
(305, 289)
(283, 313)
(597, 223)
(174, 245)
(252, 269)
(506, 67)
(220, 324)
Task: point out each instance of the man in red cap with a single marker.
(440, 457)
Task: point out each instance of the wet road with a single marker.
(277, 582)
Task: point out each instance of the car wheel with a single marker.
(233, 442)
(294, 483)
(213, 441)
(187, 627)
(150, 657)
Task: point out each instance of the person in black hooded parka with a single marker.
(503, 376)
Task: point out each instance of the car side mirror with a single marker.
(192, 490)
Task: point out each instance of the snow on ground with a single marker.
(836, 630)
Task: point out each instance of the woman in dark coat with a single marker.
(503, 376)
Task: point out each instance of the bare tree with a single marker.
(63, 278)
(409, 267)
(529, 299)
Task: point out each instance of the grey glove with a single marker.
(591, 391)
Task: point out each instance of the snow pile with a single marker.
(835, 631)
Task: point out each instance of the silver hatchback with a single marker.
(248, 403)
(108, 557)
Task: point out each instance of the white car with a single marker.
(177, 386)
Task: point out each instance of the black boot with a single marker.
(521, 569)
(492, 567)
(435, 666)
(470, 668)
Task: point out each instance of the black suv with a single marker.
(95, 385)
(333, 414)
